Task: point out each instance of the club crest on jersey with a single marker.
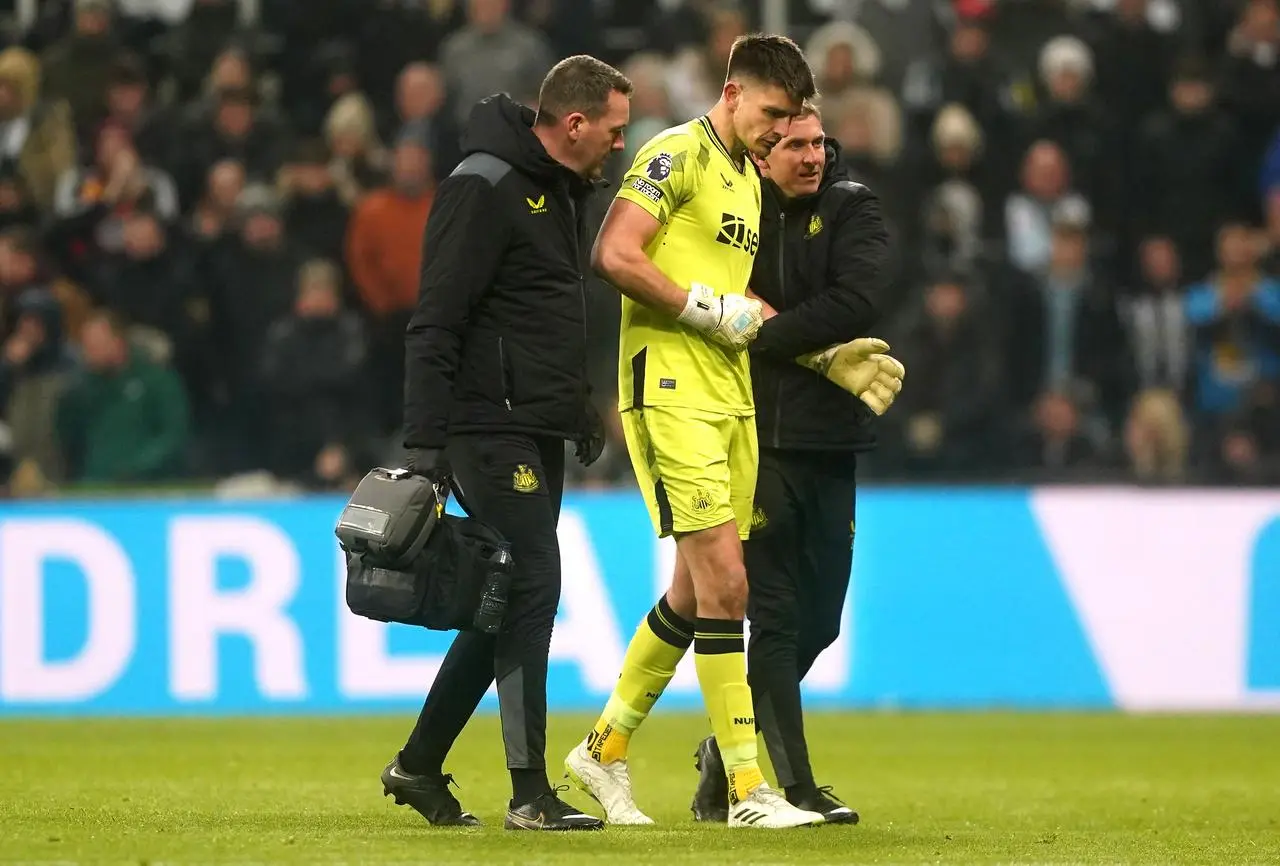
(523, 480)
(659, 168)
(815, 226)
(759, 520)
(701, 500)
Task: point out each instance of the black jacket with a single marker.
(498, 339)
(822, 266)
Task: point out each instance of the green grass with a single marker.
(992, 788)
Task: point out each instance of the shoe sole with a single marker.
(508, 824)
(572, 775)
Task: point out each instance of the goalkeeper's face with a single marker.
(762, 114)
(797, 163)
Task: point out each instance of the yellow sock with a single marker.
(721, 660)
(656, 648)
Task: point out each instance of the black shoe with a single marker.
(825, 803)
(428, 794)
(711, 799)
(549, 812)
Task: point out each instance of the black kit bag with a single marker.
(409, 562)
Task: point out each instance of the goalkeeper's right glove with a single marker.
(861, 368)
(730, 320)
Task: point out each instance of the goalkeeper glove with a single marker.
(730, 320)
(861, 368)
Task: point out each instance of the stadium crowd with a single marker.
(211, 216)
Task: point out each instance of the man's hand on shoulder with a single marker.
(730, 320)
(862, 368)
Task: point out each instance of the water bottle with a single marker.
(493, 597)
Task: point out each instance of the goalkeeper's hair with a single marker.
(580, 83)
(772, 59)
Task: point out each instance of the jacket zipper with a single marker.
(782, 289)
(502, 369)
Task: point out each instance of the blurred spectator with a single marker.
(313, 373)
(93, 202)
(651, 110)
(966, 75)
(1156, 320)
(384, 252)
(1066, 335)
(942, 424)
(359, 160)
(868, 125)
(1030, 213)
(236, 130)
(250, 285)
(1133, 61)
(33, 368)
(129, 106)
(955, 192)
(420, 96)
(494, 54)
(315, 216)
(17, 208)
(78, 66)
(24, 267)
(843, 56)
(1157, 437)
(1054, 445)
(150, 281)
(1071, 118)
(1251, 78)
(1236, 319)
(1189, 175)
(192, 46)
(214, 214)
(123, 417)
(695, 76)
(35, 134)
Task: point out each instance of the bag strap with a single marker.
(456, 489)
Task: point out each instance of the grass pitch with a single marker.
(964, 788)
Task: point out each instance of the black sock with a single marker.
(418, 764)
(528, 785)
(801, 791)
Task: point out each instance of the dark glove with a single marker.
(429, 463)
(591, 442)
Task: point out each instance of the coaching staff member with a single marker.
(496, 383)
(822, 266)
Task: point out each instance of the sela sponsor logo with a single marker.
(735, 232)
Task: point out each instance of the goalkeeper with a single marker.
(822, 266)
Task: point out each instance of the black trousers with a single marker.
(515, 483)
(798, 560)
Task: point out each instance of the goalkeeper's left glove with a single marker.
(861, 368)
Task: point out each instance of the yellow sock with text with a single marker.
(720, 657)
(656, 648)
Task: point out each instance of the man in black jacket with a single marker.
(495, 384)
(822, 267)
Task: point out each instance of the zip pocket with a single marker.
(504, 373)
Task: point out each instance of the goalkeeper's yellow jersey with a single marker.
(710, 215)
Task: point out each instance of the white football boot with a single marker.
(769, 810)
(607, 784)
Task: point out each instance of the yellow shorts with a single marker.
(696, 469)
